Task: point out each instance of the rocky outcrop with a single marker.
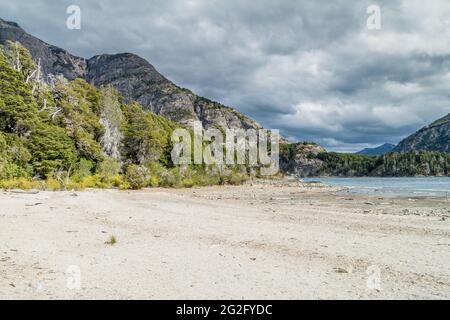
(435, 137)
(301, 159)
(139, 81)
(134, 77)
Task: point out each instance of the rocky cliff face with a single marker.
(435, 137)
(134, 77)
(301, 159)
(54, 60)
(139, 81)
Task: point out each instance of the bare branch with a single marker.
(56, 112)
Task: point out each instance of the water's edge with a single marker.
(391, 186)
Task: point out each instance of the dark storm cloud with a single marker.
(309, 68)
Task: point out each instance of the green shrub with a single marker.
(52, 184)
(137, 176)
(187, 183)
(171, 178)
(11, 170)
(154, 181)
(112, 241)
(235, 179)
(83, 168)
(51, 149)
(20, 183)
(146, 136)
(108, 169)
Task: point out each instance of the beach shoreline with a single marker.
(262, 240)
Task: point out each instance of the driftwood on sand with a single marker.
(23, 191)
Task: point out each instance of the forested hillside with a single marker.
(312, 160)
(58, 134)
(435, 137)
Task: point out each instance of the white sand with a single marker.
(248, 242)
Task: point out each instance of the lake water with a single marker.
(417, 186)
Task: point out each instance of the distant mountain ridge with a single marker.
(134, 77)
(424, 153)
(378, 151)
(435, 137)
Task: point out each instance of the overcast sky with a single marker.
(309, 68)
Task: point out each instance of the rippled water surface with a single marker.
(417, 186)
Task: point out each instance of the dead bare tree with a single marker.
(36, 78)
(44, 107)
(17, 65)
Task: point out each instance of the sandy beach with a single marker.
(256, 241)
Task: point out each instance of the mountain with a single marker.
(53, 59)
(138, 80)
(377, 151)
(134, 77)
(435, 137)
